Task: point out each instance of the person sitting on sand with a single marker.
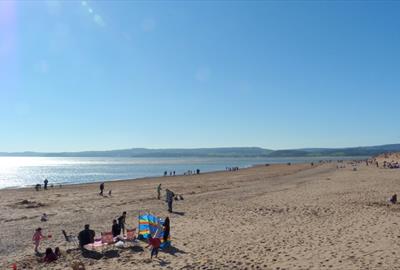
(57, 252)
(86, 236)
(50, 256)
(37, 237)
(121, 222)
(44, 217)
(155, 244)
(393, 199)
(116, 229)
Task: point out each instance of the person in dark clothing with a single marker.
(101, 189)
(116, 229)
(45, 183)
(50, 256)
(121, 222)
(170, 199)
(57, 252)
(159, 191)
(393, 199)
(166, 229)
(86, 236)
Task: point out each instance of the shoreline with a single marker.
(146, 178)
(66, 184)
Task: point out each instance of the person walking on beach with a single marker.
(121, 222)
(101, 189)
(45, 183)
(37, 237)
(159, 191)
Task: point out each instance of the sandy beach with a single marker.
(266, 217)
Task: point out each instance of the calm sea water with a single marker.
(27, 171)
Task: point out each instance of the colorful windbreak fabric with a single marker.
(148, 224)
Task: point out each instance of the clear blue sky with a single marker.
(120, 74)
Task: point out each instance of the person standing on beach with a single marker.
(170, 199)
(155, 244)
(121, 222)
(101, 189)
(159, 191)
(37, 237)
(166, 229)
(45, 183)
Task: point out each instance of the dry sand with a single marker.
(276, 217)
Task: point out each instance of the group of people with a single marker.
(171, 173)
(190, 172)
(232, 169)
(391, 165)
(87, 235)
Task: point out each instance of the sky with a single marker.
(98, 75)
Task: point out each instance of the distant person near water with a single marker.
(101, 189)
(45, 183)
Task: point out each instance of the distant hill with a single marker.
(334, 152)
(143, 152)
(222, 152)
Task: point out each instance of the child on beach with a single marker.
(155, 244)
(37, 237)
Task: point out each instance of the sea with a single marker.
(18, 172)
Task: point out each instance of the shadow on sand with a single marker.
(136, 249)
(173, 251)
(91, 254)
(178, 213)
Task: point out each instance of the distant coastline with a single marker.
(240, 152)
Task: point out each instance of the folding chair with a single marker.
(71, 239)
